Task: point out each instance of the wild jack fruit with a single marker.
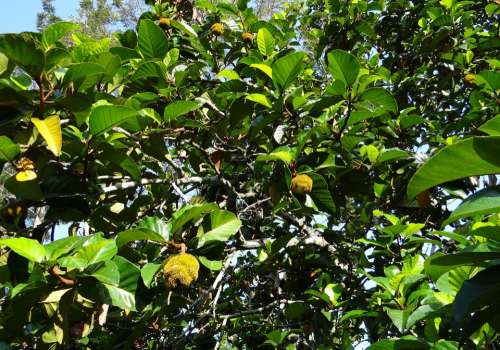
(181, 269)
(217, 28)
(302, 184)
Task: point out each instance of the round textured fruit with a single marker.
(217, 28)
(181, 269)
(164, 23)
(247, 37)
(302, 184)
(470, 79)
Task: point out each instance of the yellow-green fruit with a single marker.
(181, 268)
(247, 37)
(470, 79)
(302, 184)
(164, 23)
(217, 28)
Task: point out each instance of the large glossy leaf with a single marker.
(480, 291)
(77, 73)
(57, 31)
(476, 156)
(119, 297)
(8, 149)
(132, 235)
(399, 344)
(286, 69)
(188, 213)
(178, 108)
(344, 66)
(224, 224)
(152, 40)
(4, 64)
(321, 193)
(483, 202)
(129, 274)
(260, 99)
(155, 224)
(50, 129)
(94, 250)
(63, 246)
(29, 248)
(108, 273)
(265, 42)
(399, 317)
(103, 118)
(491, 127)
(24, 189)
(148, 273)
(21, 49)
(378, 100)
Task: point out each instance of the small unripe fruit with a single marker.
(181, 268)
(217, 28)
(164, 23)
(302, 184)
(470, 79)
(247, 37)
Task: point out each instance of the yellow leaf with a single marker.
(26, 175)
(50, 129)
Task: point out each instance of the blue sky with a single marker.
(20, 15)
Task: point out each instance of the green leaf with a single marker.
(480, 291)
(63, 246)
(29, 248)
(81, 71)
(445, 345)
(378, 101)
(483, 202)
(283, 153)
(189, 213)
(152, 40)
(119, 297)
(30, 190)
(399, 344)
(398, 317)
(491, 127)
(489, 79)
(260, 99)
(265, 42)
(224, 224)
(178, 108)
(287, 69)
(103, 118)
(96, 249)
(263, 68)
(56, 31)
(4, 64)
(148, 273)
(213, 265)
(392, 154)
(107, 274)
(155, 224)
(21, 49)
(476, 156)
(321, 193)
(132, 235)
(129, 273)
(344, 66)
(8, 149)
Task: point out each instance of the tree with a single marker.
(100, 18)
(47, 16)
(323, 179)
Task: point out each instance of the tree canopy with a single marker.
(322, 178)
